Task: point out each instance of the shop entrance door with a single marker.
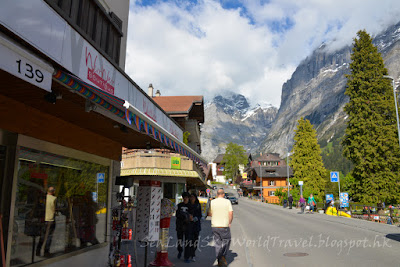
(8, 144)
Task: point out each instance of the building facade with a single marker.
(267, 173)
(67, 110)
(176, 173)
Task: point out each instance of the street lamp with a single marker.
(395, 103)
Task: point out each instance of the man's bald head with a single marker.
(220, 192)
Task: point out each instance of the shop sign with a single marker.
(175, 163)
(244, 175)
(344, 199)
(24, 65)
(94, 196)
(329, 197)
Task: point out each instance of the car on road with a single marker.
(233, 200)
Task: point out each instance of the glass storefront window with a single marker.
(60, 206)
(169, 190)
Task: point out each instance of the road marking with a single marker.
(246, 249)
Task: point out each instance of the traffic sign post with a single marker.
(335, 179)
(100, 178)
(301, 187)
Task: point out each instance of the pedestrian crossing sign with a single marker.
(334, 177)
(100, 177)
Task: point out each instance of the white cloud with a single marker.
(192, 49)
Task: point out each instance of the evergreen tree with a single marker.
(370, 140)
(306, 161)
(234, 156)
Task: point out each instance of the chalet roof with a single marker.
(268, 157)
(219, 158)
(178, 104)
(273, 172)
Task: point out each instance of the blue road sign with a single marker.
(94, 196)
(101, 177)
(334, 177)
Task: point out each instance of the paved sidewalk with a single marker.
(205, 255)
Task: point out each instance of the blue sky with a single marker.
(250, 47)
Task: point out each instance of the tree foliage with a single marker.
(234, 156)
(370, 140)
(186, 137)
(306, 161)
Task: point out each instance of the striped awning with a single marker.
(121, 108)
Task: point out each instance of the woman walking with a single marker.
(311, 202)
(195, 211)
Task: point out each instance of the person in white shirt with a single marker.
(50, 223)
(221, 213)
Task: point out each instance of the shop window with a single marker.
(76, 219)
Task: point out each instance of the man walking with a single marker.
(221, 213)
(290, 199)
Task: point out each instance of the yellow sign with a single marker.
(244, 175)
(175, 163)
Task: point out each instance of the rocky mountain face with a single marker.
(229, 118)
(316, 91)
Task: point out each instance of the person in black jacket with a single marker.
(290, 199)
(183, 226)
(195, 211)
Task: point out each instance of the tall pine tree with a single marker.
(306, 160)
(370, 140)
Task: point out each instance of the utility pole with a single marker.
(287, 166)
(261, 189)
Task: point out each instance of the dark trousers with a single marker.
(222, 240)
(185, 242)
(46, 236)
(195, 243)
(290, 204)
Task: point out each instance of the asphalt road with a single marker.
(273, 236)
(268, 235)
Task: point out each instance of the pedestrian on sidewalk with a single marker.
(195, 211)
(290, 199)
(221, 213)
(183, 227)
(302, 203)
(311, 202)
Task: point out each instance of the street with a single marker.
(268, 235)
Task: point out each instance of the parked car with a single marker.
(233, 200)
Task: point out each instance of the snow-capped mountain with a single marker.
(316, 91)
(230, 118)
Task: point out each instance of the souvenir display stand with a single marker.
(123, 229)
